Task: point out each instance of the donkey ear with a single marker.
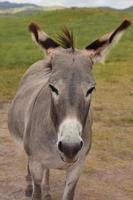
(99, 49)
(42, 38)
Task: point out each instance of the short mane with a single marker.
(66, 39)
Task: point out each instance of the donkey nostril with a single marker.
(81, 144)
(60, 146)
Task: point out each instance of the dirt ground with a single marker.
(103, 183)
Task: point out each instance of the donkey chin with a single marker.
(68, 159)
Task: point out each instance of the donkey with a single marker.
(51, 113)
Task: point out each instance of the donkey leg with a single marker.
(37, 174)
(45, 186)
(29, 188)
(72, 178)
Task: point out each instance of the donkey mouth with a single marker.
(68, 160)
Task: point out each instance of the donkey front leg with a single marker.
(29, 187)
(72, 178)
(45, 186)
(36, 171)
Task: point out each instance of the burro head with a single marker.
(71, 83)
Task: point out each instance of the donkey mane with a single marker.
(66, 39)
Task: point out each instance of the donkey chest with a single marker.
(50, 159)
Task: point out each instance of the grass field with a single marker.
(113, 98)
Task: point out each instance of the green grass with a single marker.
(113, 99)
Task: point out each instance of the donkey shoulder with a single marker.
(35, 78)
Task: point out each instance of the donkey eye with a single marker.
(89, 91)
(55, 90)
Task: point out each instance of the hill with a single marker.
(21, 9)
(129, 9)
(8, 5)
(12, 8)
(9, 8)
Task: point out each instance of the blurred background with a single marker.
(108, 171)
